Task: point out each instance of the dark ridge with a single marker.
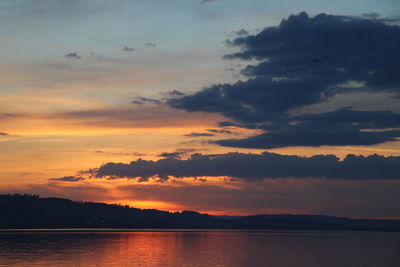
(31, 211)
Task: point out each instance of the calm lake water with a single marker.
(199, 248)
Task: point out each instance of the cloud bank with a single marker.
(305, 61)
(253, 167)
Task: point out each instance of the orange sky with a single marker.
(62, 115)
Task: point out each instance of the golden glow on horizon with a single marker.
(57, 135)
(149, 204)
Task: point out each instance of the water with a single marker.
(199, 248)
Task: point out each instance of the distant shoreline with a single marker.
(118, 230)
(30, 213)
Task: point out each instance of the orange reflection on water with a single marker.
(177, 248)
(198, 248)
(152, 249)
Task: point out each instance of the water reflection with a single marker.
(209, 248)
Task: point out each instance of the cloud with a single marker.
(302, 136)
(219, 131)
(178, 153)
(143, 100)
(128, 49)
(73, 55)
(340, 127)
(137, 154)
(4, 134)
(174, 93)
(173, 155)
(68, 179)
(372, 15)
(241, 32)
(194, 134)
(302, 62)
(226, 124)
(257, 167)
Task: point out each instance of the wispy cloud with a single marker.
(73, 55)
(194, 134)
(128, 49)
(143, 100)
(68, 179)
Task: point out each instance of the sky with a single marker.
(223, 107)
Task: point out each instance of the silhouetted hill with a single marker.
(30, 211)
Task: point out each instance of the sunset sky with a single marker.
(220, 106)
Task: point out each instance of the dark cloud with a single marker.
(305, 61)
(137, 154)
(128, 49)
(227, 124)
(241, 32)
(173, 155)
(219, 131)
(143, 100)
(171, 94)
(359, 119)
(178, 153)
(68, 179)
(4, 134)
(73, 55)
(341, 127)
(175, 93)
(187, 150)
(257, 167)
(372, 15)
(194, 134)
(303, 136)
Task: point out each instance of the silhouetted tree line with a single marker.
(32, 211)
